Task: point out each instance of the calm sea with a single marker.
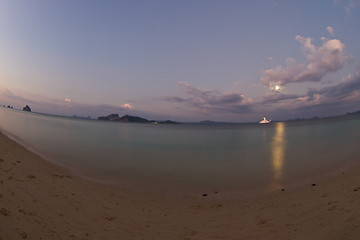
(241, 157)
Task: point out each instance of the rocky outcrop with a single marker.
(111, 117)
(132, 119)
(27, 108)
(127, 118)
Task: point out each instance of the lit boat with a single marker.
(265, 121)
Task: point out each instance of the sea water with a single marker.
(233, 157)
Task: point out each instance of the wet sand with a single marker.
(39, 200)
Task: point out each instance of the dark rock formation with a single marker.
(168, 122)
(350, 113)
(27, 108)
(132, 119)
(126, 118)
(111, 117)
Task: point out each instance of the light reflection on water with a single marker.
(233, 157)
(278, 153)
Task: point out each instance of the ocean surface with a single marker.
(237, 157)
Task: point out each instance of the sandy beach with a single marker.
(39, 200)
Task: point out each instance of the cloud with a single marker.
(281, 74)
(278, 97)
(330, 57)
(174, 99)
(8, 96)
(328, 101)
(330, 30)
(211, 101)
(325, 101)
(344, 95)
(6, 92)
(127, 106)
(352, 4)
(347, 89)
(66, 107)
(349, 5)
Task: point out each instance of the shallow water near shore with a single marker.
(237, 157)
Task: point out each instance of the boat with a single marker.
(265, 121)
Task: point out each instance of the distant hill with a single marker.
(111, 117)
(165, 122)
(207, 122)
(349, 115)
(132, 119)
(127, 118)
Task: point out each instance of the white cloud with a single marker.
(127, 106)
(353, 4)
(330, 30)
(281, 74)
(67, 100)
(330, 57)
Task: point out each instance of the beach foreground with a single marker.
(39, 200)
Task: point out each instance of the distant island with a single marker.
(132, 119)
(27, 108)
(347, 115)
(352, 113)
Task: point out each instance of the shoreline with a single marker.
(159, 186)
(40, 200)
(180, 189)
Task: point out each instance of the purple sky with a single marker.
(182, 60)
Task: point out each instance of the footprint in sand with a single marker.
(5, 212)
(21, 233)
(109, 218)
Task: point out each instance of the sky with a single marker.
(234, 61)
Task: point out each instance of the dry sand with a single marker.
(39, 200)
